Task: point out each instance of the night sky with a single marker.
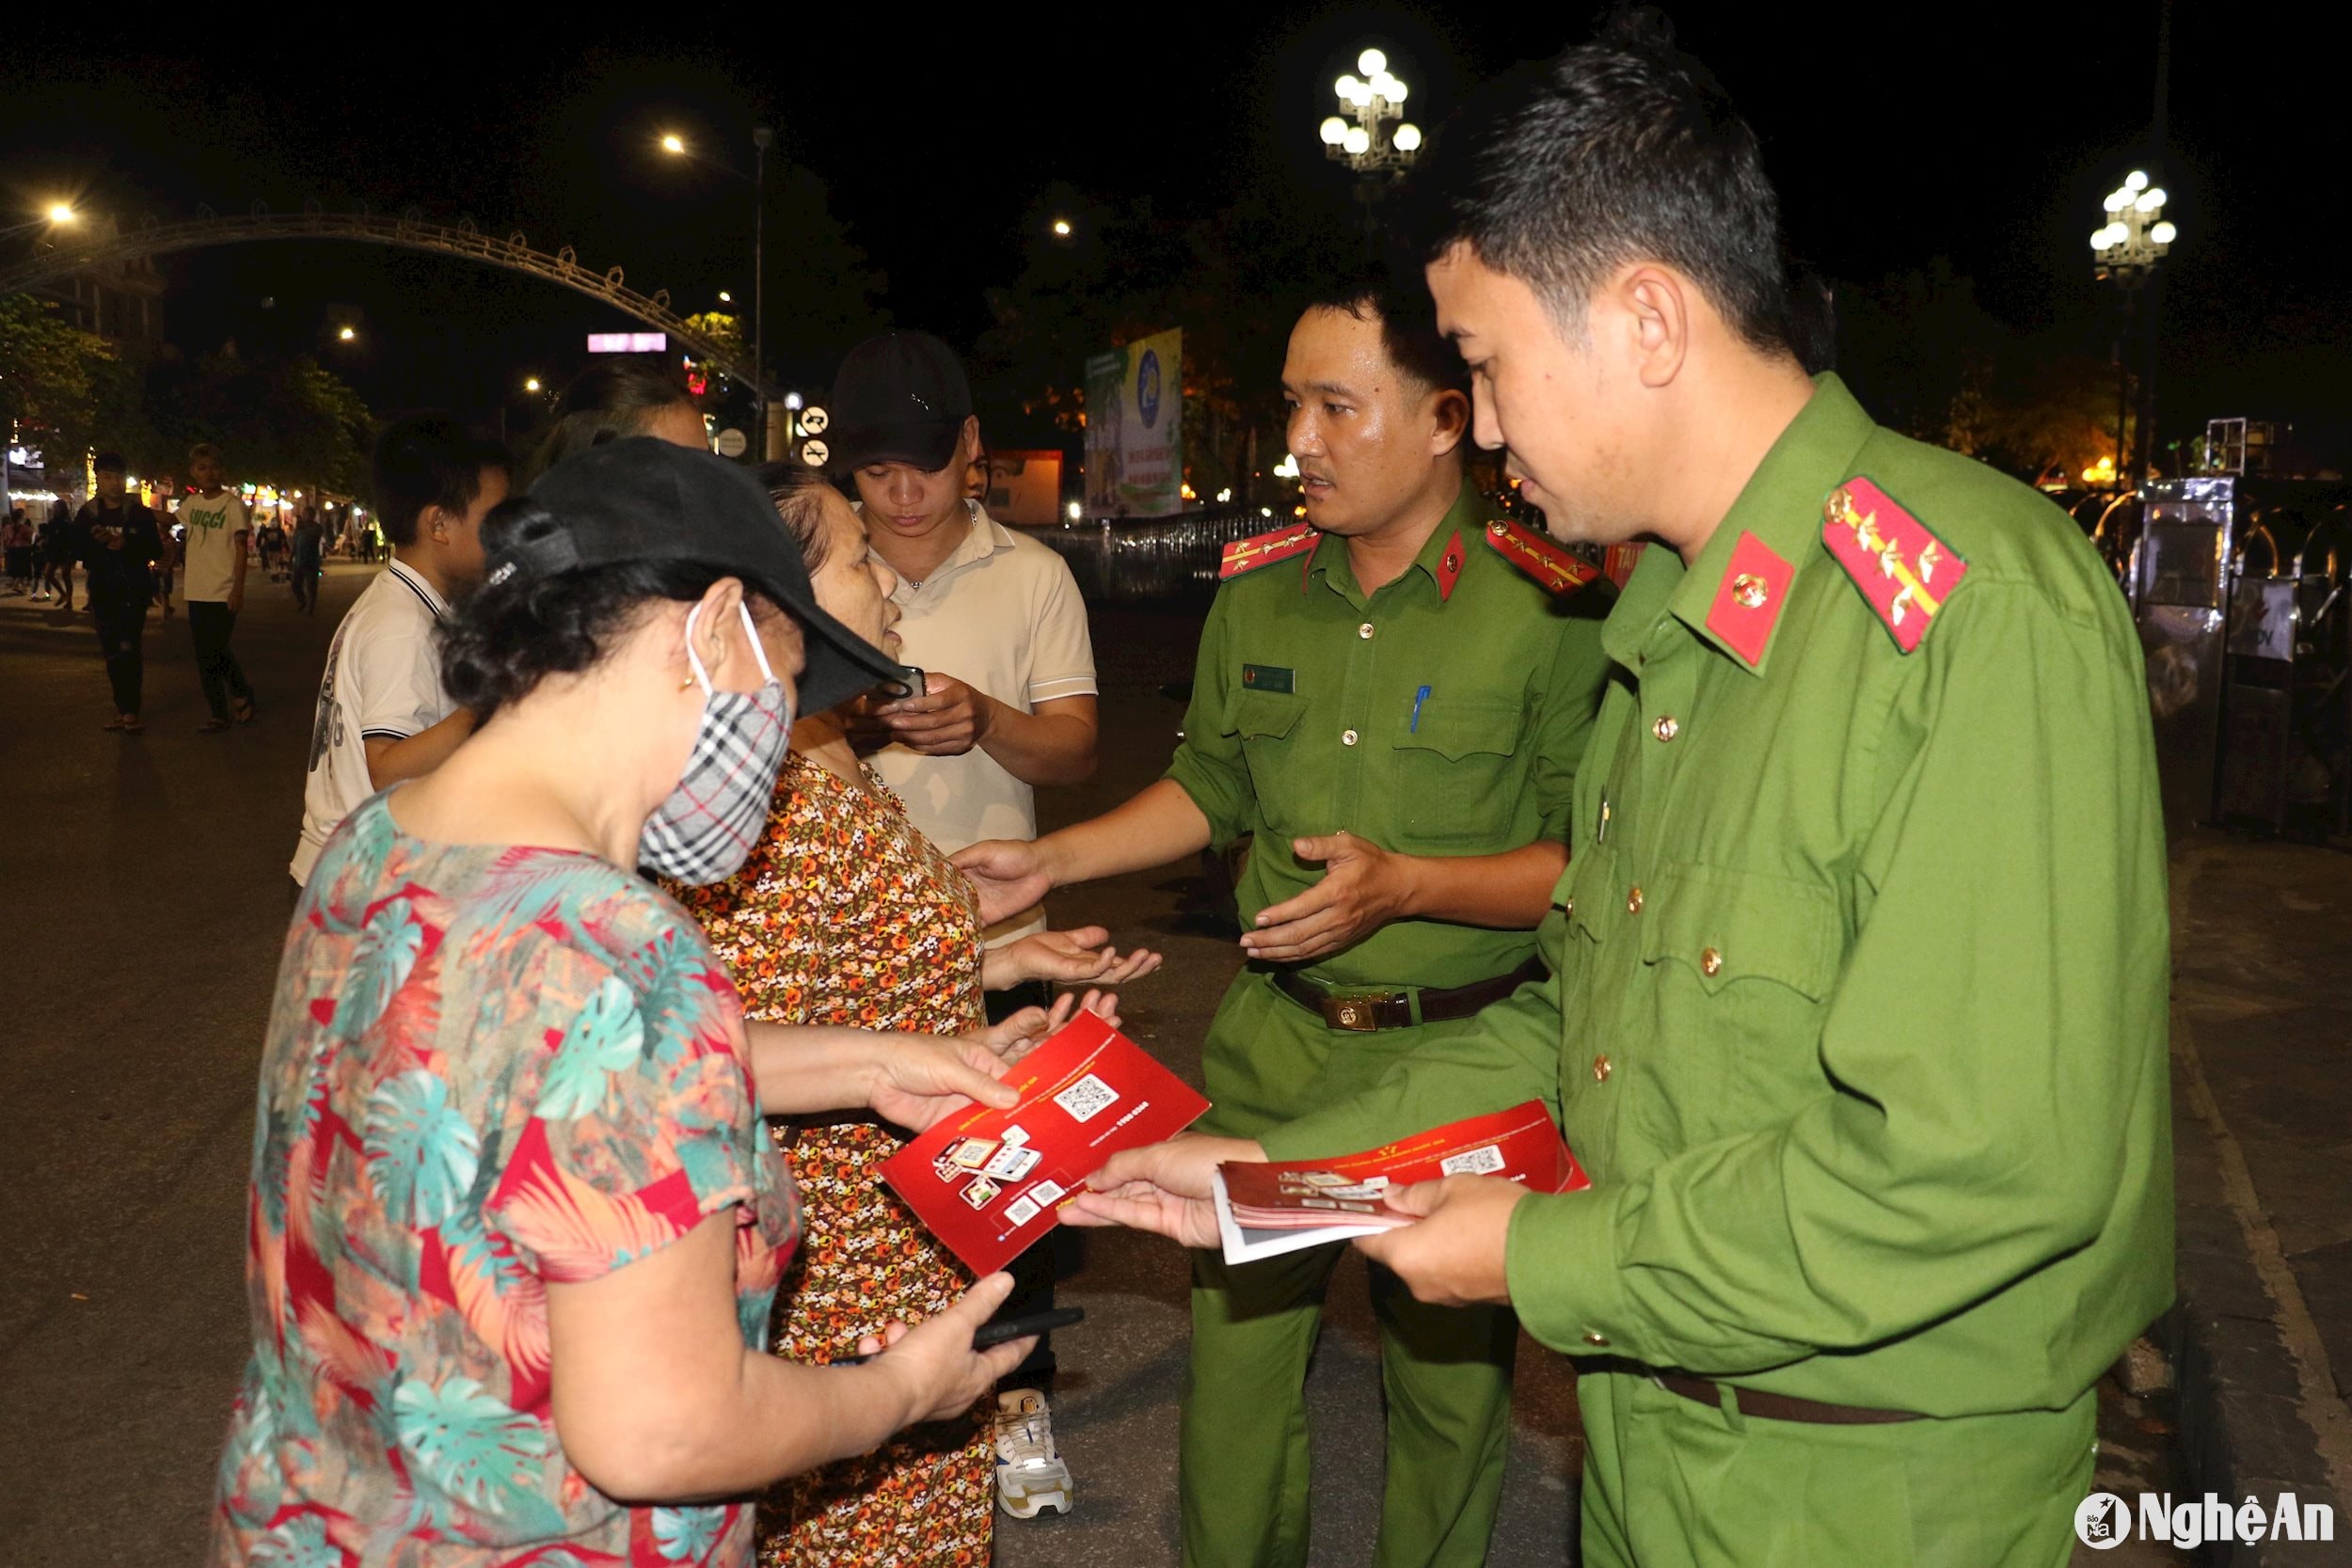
(1990, 144)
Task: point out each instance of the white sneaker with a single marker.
(1031, 1474)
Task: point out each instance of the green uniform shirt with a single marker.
(1425, 721)
(1859, 1012)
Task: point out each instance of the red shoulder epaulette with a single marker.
(1905, 572)
(1264, 550)
(1540, 557)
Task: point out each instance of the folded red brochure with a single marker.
(1264, 1208)
(989, 1183)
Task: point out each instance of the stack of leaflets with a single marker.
(1264, 1208)
(989, 1183)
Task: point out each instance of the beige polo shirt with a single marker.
(1002, 614)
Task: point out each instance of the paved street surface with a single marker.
(145, 899)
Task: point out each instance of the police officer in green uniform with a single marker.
(1858, 1017)
(1391, 699)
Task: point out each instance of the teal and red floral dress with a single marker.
(487, 1068)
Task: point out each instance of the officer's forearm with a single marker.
(1509, 891)
(1158, 826)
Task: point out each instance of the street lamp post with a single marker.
(2127, 249)
(763, 137)
(1380, 141)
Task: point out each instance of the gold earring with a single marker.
(687, 684)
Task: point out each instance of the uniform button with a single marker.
(1364, 632)
(1347, 737)
(1710, 962)
(1633, 901)
(1602, 1068)
(1567, 910)
(1665, 729)
(1599, 1341)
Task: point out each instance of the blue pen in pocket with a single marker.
(1419, 697)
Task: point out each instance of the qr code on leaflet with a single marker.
(1474, 1162)
(1086, 1098)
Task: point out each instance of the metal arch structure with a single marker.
(408, 231)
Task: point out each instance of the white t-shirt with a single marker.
(383, 680)
(209, 565)
(1003, 615)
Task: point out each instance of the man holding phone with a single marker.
(117, 540)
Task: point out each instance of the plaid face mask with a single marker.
(706, 830)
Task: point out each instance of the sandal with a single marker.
(212, 726)
(243, 710)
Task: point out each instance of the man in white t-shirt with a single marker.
(993, 618)
(212, 571)
(382, 714)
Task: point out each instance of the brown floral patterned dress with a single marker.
(847, 914)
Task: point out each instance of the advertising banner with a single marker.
(1134, 419)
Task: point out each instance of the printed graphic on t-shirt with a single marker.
(327, 731)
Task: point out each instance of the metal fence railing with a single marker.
(1148, 560)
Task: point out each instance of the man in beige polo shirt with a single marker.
(992, 618)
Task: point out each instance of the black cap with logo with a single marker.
(640, 498)
(899, 398)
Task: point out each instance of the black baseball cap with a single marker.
(640, 498)
(899, 398)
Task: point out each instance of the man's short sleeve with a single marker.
(1208, 765)
(641, 1119)
(396, 679)
(1061, 649)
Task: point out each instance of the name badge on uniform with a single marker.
(1267, 677)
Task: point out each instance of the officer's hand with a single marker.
(1452, 1254)
(1363, 888)
(1008, 873)
(947, 721)
(1163, 1188)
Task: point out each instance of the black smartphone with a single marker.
(908, 682)
(1001, 1330)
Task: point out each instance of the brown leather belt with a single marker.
(1777, 1407)
(1363, 1012)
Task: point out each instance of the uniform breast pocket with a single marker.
(1267, 723)
(1742, 964)
(1458, 777)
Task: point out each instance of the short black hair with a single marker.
(428, 459)
(1619, 150)
(110, 463)
(1409, 325)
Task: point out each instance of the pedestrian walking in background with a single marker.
(309, 539)
(119, 542)
(213, 560)
(16, 547)
(55, 549)
(383, 715)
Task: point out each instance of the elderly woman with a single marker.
(845, 914)
(515, 1225)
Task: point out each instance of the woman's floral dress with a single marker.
(847, 914)
(487, 1068)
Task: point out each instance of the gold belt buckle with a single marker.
(1357, 1014)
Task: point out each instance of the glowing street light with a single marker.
(347, 335)
(1061, 229)
(2125, 250)
(62, 211)
(725, 298)
(1369, 133)
(673, 142)
(531, 384)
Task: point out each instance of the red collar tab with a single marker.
(1449, 568)
(1264, 550)
(1904, 571)
(1749, 600)
(1540, 557)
